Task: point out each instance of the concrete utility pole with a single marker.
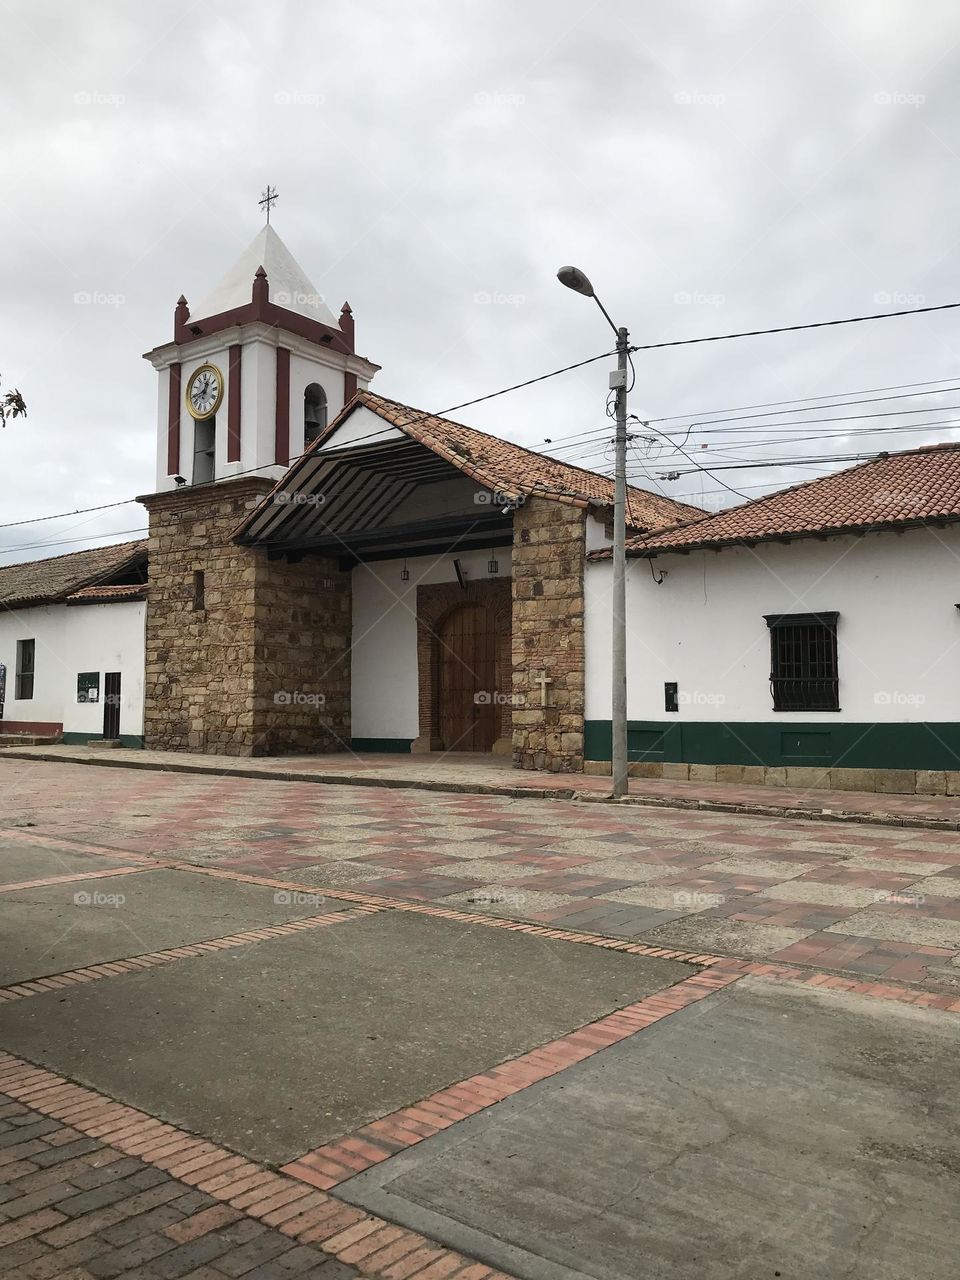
(576, 280)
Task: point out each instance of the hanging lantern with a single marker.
(493, 565)
(404, 573)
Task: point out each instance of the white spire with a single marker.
(288, 283)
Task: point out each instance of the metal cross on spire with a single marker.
(267, 198)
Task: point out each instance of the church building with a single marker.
(330, 569)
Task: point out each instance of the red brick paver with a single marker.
(110, 1206)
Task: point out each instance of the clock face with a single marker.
(205, 391)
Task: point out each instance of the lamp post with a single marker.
(576, 280)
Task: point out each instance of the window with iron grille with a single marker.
(803, 661)
(26, 651)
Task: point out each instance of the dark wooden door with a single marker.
(111, 704)
(468, 694)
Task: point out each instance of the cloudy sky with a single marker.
(714, 166)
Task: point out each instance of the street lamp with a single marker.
(574, 279)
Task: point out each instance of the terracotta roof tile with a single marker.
(498, 464)
(121, 591)
(891, 491)
(42, 581)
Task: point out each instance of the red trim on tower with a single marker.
(349, 387)
(173, 421)
(233, 405)
(260, 308)
(282, 436)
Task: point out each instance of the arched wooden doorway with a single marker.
(467, 679)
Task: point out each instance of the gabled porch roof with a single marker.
(346, 495)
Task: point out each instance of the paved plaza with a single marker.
(268, 1028)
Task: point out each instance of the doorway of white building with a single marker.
(111, 704)
(467, 687)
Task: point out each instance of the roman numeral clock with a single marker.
(204, 392)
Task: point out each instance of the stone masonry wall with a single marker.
(264, 628)
(302, 671)
(548, 551)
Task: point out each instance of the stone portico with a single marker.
(249, 653)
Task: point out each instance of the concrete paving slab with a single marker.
(701, 932)
(334, 874)
(276, 1048)
(477, 868)
(668, 898)
(467, 849)
(902, 866)
(21, 862)
(938, 886)
(84, 922)
(501, 900)
(624, 869)
(813, 1140)
(763, 868)
(832, 895)
(908, 925)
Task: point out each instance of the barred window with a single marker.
(803, 661)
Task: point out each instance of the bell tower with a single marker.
(254, 372)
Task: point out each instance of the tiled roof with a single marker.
(44, 581)
(892, 491)
(499, 465)
(124, 591)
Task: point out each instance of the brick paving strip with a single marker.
(28, 835)
(68, 877)
(91, 1190)
(113, 968)
(338, 1161)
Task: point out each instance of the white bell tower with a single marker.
(254, 373)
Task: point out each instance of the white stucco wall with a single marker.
(362, 427)
(384, 657)
(71, 639)
(303, 372)
(898, 632)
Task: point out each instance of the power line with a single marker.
(829, 395)
(59, 542)
(839, 433)
(80, 511)
(796, 328)
(780, 462)
(812, 408)
(709, 427)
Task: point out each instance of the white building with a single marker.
(71, 645)
(812, 636)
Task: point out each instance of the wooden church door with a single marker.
(467, 692)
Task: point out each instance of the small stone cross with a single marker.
(543, 680)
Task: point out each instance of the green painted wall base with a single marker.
(815, 743)
(389, 746)
(81, 739)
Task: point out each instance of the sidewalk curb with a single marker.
(295, 775)
(492, 789)
(783, 811)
